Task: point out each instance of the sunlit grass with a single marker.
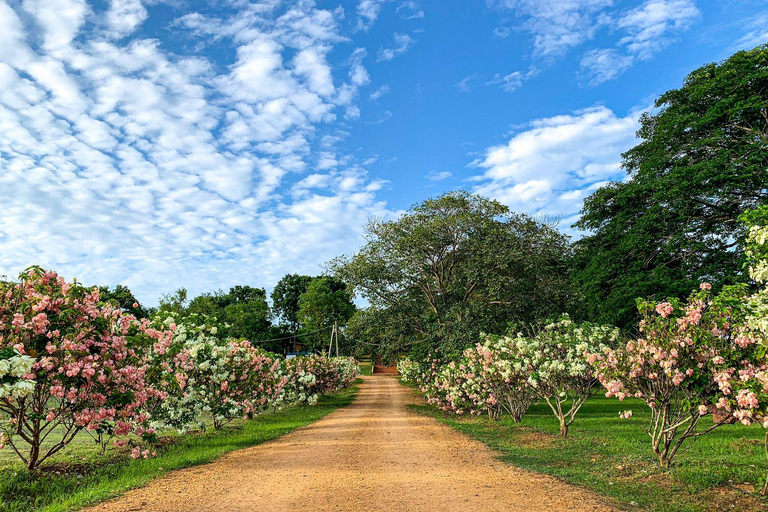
(613, 457)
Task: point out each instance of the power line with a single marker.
(292, 337)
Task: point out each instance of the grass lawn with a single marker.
(80, 475)
(613, 457)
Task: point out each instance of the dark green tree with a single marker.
(700, 164)
(285, 299)
(325, 302)
(123, 297)
(453, 267)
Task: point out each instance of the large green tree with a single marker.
(285, 298)
(451, 268)
(701, 162)
(325, 302)
(242, 312)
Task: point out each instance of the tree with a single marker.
(325, 303)
(241, 313)
(124, 298)
(700, 164)
(453, 267)
(285, 298)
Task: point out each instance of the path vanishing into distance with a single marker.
(371, 455)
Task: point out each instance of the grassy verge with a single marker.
(85, 478)
(366, 368)
(613, 457)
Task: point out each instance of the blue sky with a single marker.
(161, 144)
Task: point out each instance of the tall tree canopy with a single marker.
(124, 298)
(285, 298)
(701, 162)
(453, 267)
(325, 302)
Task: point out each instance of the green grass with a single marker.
(613, 457)
(87, 477)
(366, 368)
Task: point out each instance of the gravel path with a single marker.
(371, 455)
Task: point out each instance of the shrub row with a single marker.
(69, 363)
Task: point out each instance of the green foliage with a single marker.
(700, 164)
(285, 298)
(123, 297)
(325, 302)
(241, 313)
(453, 267)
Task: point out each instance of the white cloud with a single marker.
(438, 175)
(378, 93)
(512, 81)
(755, 32)
(604, 64)
(557, 26)
(647, 29)
(401, 44)
(367, 13)
(465, 84)
(550, 165)
(125, 162)
(125, 16)
(410, 10)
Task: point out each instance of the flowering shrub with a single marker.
(685, 365)
(225, 378)
(408, 369)
(67, 363)
(491, 377)
(560, 373)
(313, 376)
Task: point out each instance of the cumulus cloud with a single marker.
(124, 161)
(551, 164)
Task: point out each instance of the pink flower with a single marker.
(664, 309)
(625, 415)
(705, 286)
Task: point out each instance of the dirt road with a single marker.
(371, 455)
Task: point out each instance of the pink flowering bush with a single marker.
(691, 359)
(67, 363)
(227, 379)
(492, 377)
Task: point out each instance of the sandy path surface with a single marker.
(371, 455)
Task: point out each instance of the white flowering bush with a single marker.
(408, 369)
(310, 377)
(225, 379)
